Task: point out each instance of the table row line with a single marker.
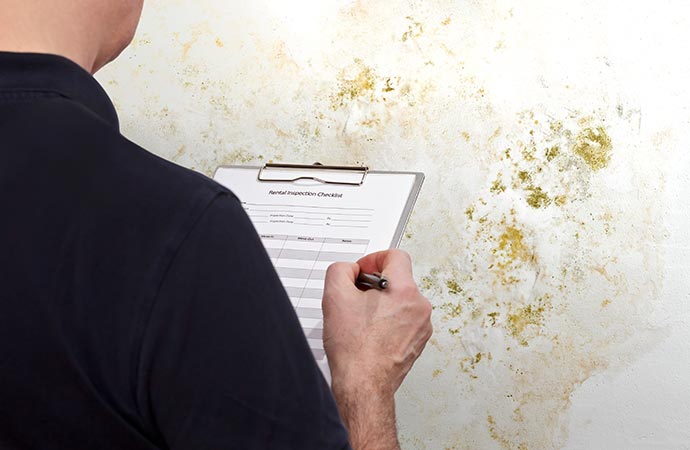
(305, 302)
(286, 263)
(317, 246)
(304, 293)
(278, 237)
(310, 255)
(309, 283)
(289, 274)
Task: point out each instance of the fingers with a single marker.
(383, 331)
(339, 283)
(342, 271)
(395, 264)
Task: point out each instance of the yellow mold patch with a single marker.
(497, 187)
(452, 310)
(493, 316)
(511, 246)
(414, 30)
(529, 315)
(538, 198)
(453, 287)
(594, 146)
(552, 152)
(501, 440)
(361, 85)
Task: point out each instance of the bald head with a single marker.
(89, 32)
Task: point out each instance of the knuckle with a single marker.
(408, 289)
(335, 268)
(429, 331)
(425, 310)
(397, 256)
(326, 304)
(402, 254)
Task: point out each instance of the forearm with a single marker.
(369, 416)
(372, 339)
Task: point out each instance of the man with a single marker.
(138, 309)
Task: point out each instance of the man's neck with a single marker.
(28, 27)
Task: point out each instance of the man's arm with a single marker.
(372, 339)
(224, 361)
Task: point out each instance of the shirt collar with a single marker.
(56, 74)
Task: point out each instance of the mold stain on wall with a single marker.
(594, 146)
(530, 254)
(525, 245)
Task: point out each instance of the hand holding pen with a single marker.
(372, 338)
(371, 280)
(376, 324)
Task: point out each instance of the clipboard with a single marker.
(309, 216)
(331, 175)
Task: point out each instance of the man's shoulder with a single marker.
(90, 154)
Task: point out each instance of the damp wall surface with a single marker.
(551, 232)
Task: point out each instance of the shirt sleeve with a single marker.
(224, 362)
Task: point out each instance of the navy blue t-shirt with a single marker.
(138, 308)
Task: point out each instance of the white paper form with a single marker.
(306, 226)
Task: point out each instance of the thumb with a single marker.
(341, 276)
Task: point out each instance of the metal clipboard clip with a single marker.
(289, 173)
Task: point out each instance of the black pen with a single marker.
(372, 280)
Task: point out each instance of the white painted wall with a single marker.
(562, 302)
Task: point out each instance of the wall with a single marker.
(551, 231)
